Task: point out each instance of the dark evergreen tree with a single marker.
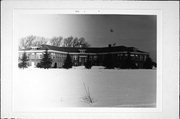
(148, 64)
(23, 64)
(55, 65)
(68, 62)
(46, 61)
(88, 63)
(108, 61)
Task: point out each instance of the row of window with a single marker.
(75, 57)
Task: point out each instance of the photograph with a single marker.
(85, 60)
(90, 59)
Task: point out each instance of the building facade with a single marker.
(79, 55)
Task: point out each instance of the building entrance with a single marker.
(82, 60)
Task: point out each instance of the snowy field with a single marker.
(53, 88)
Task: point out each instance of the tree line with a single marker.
(29, 41)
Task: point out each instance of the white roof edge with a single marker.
(79, 53)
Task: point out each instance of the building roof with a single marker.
(89, 49)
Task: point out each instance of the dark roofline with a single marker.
(89, 49)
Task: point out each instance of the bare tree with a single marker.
(67, 42)
(26, 42)
(29, 41)
(56, 41)
(75, 42)
(82, 42)
(38, 41)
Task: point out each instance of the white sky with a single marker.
(128, 30)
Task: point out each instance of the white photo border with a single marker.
(43, 8)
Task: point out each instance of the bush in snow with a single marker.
(148, 64)
(68, 62)
(88, 63)
(55, 65)
(46, 61)
(23, 64)
(38, 65)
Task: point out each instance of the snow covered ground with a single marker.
(66, 88)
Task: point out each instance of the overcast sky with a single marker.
(98, 30)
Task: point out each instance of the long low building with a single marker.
(79, 55)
